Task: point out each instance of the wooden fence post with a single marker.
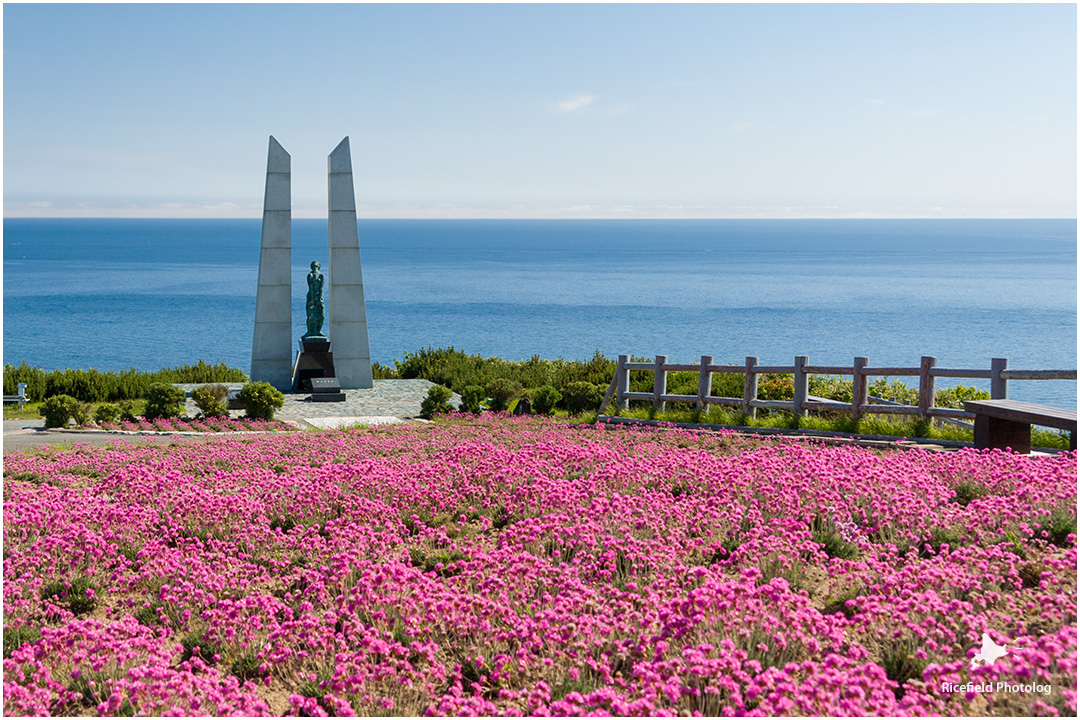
(704, 383)
(927, 384)
(749, 391)
(999, 387)
(801, 384)
(859, 389)
(659, 385)
(609, 395)
(623, 375)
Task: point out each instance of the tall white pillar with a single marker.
(347, 313)
(271, 346)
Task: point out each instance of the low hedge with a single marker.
(97, 386)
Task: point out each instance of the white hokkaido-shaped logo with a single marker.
(988, 654)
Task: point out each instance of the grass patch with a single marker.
(442, 562)
(887, 425)
(1059, 527)
(967, 492)
(834, 545)
(27, 477)
(149, 616)
(839, 604)
(939, 537)
(246, 667)
(29, 411)
(901, 665)
(79, 596)
(16, 637)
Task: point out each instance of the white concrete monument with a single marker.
(271, 346)
(348, 330)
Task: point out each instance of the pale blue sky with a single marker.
(544, 110)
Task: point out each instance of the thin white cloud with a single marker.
(574, 104)
(874, 101)
(511, 210)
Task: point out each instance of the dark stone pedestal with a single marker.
(314, 371)
(326, 390)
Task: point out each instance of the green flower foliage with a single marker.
(18, 636)
(79, 596)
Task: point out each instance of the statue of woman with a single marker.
(315, 308)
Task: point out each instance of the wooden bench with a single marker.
(20, 398)
(1007, 423)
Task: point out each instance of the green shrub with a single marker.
(723, 385)
(83, 414)
(261, 400)
(58, 409)
(382, 372)
(210, 399)
(775, 387)
(163, 401)
(544, 400)
(502, 391)
(472, 398)
(96, 386)
(107, 413)
(831, 388)
(895, 391)
(954, 397)
(33, 377)
(580, 396)
(457, 370)
(437, 402)
(127, 410)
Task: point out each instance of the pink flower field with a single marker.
(502, 566)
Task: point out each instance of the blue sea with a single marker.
(114, 294)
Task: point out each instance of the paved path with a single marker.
(30, 434)
(389, 398)
(390, 401)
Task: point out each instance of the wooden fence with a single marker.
(860, 370)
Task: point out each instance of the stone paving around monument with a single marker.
(388, 399)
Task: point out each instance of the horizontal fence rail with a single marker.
(860, 370)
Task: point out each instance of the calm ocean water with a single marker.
(148, 294)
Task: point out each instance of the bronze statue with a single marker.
(316, 311)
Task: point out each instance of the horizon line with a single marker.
(553, 217)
